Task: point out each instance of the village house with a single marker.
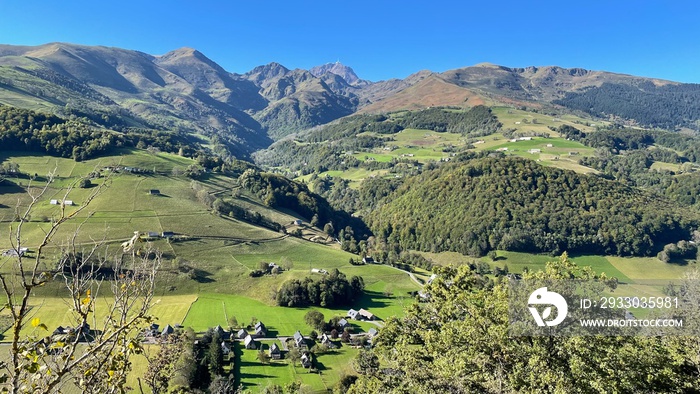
(275, 352)
(249, 342)
(306, 360)
(342, 323)
(167, 331)
(151, 331)
(326, 340)
(372, 332)
(366, 314)
(353, 314)
(15, 252)
(242, 333)
(225, 349)
(299, 340)
(368, 260)
(154, 192)
(260, 330)
(223, 334)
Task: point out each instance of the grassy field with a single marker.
(629, 270)
(255, 375)
(522, 121)
(204, 278)
(554, 152)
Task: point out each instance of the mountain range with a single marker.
(184, 91)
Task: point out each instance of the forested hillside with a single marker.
(324, 148)
(480, 204)
(77, 138)
(668, 106)
(279, 192)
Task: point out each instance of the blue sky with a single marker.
(381, 39)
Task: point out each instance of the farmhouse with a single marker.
(549, 145)
(353, 314)
(249, 342)
(167, 234)
(299, 340)
(225, 349)
(525, 138)
(260, 330)
(366, 314)
(53, 202)
(306, 360)
(151, 331)
(167, 331)
(342, 323)
(297, 222)
(532, 151)
(154, 192)
(326, 340)
(368, 260)
(15, 252)
(68, 202)
(153, 234)
(241, 334)
(275, 352)
(60, 330)
(222, 333)
(501, 149)
(372, 332)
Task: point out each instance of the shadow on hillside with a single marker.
(9, 187)
(679, 262)
(372, 299)
(196, 274)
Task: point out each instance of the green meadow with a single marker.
(204, 279)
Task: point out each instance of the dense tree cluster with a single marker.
(25, 130)
(279, 192)
(329, 290)
(668, 106)
(509, 203)
(475, 122)
(627, 156)
(458, 341)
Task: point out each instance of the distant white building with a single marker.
(525, 138)
(533, 151)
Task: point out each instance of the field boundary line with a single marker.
(188, 311)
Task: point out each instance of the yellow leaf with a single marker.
(88, 293)
(35, 322)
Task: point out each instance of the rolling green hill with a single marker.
(478, 204)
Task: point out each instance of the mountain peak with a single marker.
(338, 68)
